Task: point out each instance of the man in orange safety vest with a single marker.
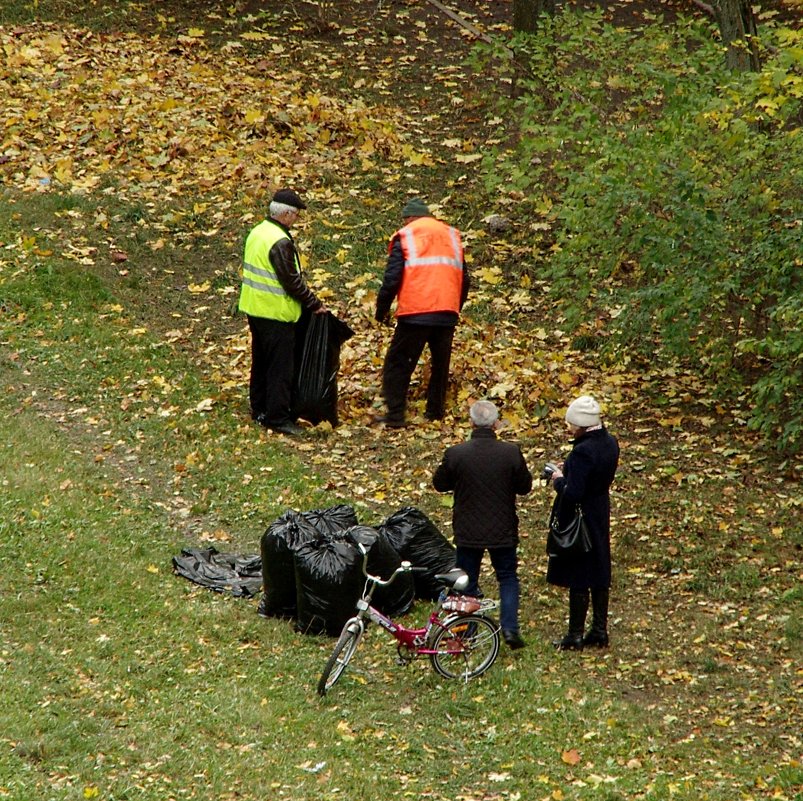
(426, 274)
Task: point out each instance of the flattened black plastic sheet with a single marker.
(417, 539)
(237, 575)
(319, 339)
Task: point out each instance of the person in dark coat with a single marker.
(585, 479)
(486, 474)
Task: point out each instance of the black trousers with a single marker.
(272, 361)
(400, 361)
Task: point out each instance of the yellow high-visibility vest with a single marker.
(262, 294)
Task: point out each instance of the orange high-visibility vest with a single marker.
(433, 268)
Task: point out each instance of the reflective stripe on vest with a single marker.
(262, 294)
(433, 268)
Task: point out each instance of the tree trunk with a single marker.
(737, 24)
(527, 12)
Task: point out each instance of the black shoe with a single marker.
(291, 429)
(287, 427)
(432, 417)
(596, 639)
(513, 639)
(262, 609)
(390, 422)
(571, 642)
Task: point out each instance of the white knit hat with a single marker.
(583, 412)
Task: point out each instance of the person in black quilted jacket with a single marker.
(486, 474)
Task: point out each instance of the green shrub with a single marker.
(678, 185)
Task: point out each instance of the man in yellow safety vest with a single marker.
(272, 296)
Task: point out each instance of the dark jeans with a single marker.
(272, 360)
(505, 564)
(400, 361)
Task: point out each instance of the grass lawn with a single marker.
(126, 438)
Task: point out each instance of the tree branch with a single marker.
(460, 21)
(710, 10)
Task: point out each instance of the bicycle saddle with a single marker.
(456, 578)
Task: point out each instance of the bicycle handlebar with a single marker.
(404, 567)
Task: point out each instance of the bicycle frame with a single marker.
(414, 639)
(469, 636)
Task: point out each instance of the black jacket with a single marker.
(486, 475)
(587, 476)
(283, 258)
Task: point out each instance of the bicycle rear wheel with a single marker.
(344, 649)
(466, 647)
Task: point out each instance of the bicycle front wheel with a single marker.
(345, 647)
(465, 647)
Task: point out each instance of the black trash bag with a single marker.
(331, 520)
(329, 581)
(398, 597)
(239, 575)
(319, 338)
(277, 545)
(416, 539)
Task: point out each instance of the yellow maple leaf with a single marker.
(491, 275)
(501, 389)
(252, 116)
(418, 160)
(345, 732)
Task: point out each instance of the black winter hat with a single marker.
(289, 198)
(415, 208)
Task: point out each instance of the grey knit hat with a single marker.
(415, 208)
(583, 412)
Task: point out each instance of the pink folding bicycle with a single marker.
(461, 644)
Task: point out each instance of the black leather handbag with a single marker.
(570, 540)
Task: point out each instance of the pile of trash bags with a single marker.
(310, 568)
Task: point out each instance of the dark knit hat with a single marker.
(289, 198)
(415, 208)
